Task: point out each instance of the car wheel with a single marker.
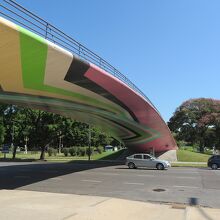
(131, 165)
(160, 166)
(214, 166)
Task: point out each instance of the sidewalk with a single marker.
(183, 162)
(26, 205)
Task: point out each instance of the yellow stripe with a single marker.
(58, 63)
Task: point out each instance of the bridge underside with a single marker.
(38, 74)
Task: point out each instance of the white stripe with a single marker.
(186, 177)
(140, 184)
(147, 175)
(56, 178)
(193, 187)
(92, 181)
(111, 174)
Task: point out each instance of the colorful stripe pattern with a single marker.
(39, 74)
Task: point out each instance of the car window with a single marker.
(138, 156)
(147, 157)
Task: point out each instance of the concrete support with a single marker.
(168, 155)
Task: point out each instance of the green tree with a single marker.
(197, 121)
(44, 129)
(2, 131)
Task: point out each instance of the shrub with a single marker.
(55, 151)
(181, 144)
(82, 151)
(99, 149)
(65, 151)
(51, 151)
(72, 151)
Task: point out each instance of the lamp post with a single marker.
(12, 135)
(26, 139)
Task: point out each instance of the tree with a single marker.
(44, 129)
(2, 131)
(197, 121)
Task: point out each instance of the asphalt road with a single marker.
(175, 185)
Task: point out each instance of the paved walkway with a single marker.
(183, 162)
(26, 205)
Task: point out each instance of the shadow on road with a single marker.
(14, 176)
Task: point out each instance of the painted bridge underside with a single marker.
(38, 74)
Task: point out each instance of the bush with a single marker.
(72, 151)
(99, 149)
(55, 151)
(51, 151)
(65, 152)
(82, 151)
(181, 144)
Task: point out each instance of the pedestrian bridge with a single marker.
(41, 67)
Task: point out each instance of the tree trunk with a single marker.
(42, 155)
(14, 152)
(201, 149)
(201, 146)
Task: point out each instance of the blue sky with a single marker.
(169, 49)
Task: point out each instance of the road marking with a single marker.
(92, 181)
(111, 174)
(146, 175)
(186, 177)
(101, 173)
(185, 172)
(22, 177)
(192, 187)
(140, 184)
(56, 178)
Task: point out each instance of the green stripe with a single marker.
(66, 107)
(33, 60)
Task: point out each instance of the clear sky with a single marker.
(169, 49)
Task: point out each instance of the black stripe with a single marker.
(29, 98)
(30, 103)
(76, 70)
(76, 76)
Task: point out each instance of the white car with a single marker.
(146, 160)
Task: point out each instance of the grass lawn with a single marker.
(109, 155)
(182, 155)
(189, 156)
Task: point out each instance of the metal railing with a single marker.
(27, 19)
